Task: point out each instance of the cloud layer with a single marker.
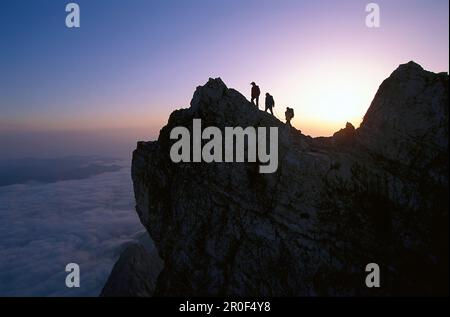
(46, 226)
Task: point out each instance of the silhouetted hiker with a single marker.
(289, 115)
(270, 103)
(255, 93)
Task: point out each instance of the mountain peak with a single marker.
(410, 65)
(410, 106)
(333, 206)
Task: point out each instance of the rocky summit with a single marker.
(374, 194)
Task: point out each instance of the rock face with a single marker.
(376, 194)
(133, 275)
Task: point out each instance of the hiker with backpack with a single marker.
(289, 114)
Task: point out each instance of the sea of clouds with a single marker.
(43, 227)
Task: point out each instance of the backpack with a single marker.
(290, 112)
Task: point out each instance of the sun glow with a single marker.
(330, 95)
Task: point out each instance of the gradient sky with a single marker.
(119, 76)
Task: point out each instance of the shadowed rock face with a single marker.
(375, 194)
(134, 274)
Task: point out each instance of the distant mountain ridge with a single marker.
(20, 171)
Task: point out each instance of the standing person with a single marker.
(289, 114)
(255, 94)
(270, 103)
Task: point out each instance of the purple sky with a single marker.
(117, 78)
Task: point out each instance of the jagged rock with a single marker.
(346, 134)
(331, 208)
(408, 118)
(134, 274)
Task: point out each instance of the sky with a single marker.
(99, 88)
